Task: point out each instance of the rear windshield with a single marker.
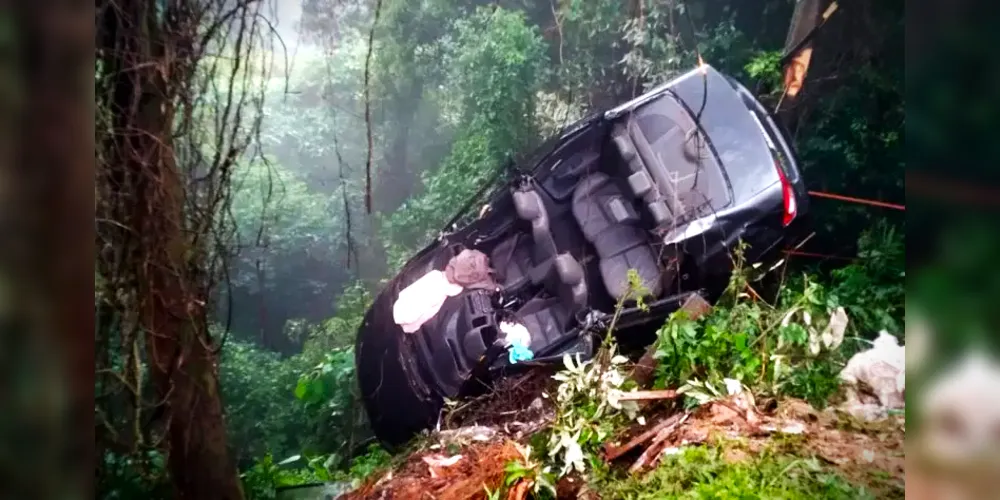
(736, 138)
(700, 184)
(770, 130)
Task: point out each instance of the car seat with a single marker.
(535, 264)
(610, 223)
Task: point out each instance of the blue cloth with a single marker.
(519, 352)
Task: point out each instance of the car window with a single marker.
(738, 142)
(700, 185)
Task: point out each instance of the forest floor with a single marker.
(734, 447)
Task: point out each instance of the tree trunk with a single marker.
(51, 261)
(147, 194)
(181, 356)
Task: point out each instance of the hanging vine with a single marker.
(178, 98)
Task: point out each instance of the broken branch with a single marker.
(612, 452)
(648, 395)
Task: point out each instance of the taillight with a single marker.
(788, 197)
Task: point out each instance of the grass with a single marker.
(727, 470)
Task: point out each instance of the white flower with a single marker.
(776, 359)
(613, 378)
(788, 317)
(614, 399)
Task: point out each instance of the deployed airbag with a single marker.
(421, 300)
(471, 269)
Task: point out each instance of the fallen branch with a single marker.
(656, 447)
(648, 395)
(613, 452)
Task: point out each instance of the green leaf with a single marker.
(302, 388)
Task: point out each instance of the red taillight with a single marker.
(788, 197)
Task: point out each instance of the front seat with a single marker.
(610, 223)
(560, 274)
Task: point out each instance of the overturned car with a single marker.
(664, 185)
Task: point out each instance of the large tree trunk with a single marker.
(146, 193)
(181, 353)
(47, 252)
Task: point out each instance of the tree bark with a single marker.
(50, 255)
(147, 195)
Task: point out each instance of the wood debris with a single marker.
(655, 448)
(612, 452)
(648, 395)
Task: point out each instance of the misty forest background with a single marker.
(275, 182)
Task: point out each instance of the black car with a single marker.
(665, 184)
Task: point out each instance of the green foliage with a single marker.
(779, 349)
(288, 236)
(872, 289)
(276, 211)
(329, 392)
(330, 383)
(763, 347)
(262, 481)
(265, 477)
(129, 477)
(375, 459)
(855, 146)
(495, 62)
(705, 472)
(262, 414)
(339, 331)
(526, 469)
(286, 406)
(765, 67)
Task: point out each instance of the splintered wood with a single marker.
(656, 446)
(648, 395)
(612, 452)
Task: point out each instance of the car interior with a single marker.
(569, 234)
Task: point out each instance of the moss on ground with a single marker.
(730, 470)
